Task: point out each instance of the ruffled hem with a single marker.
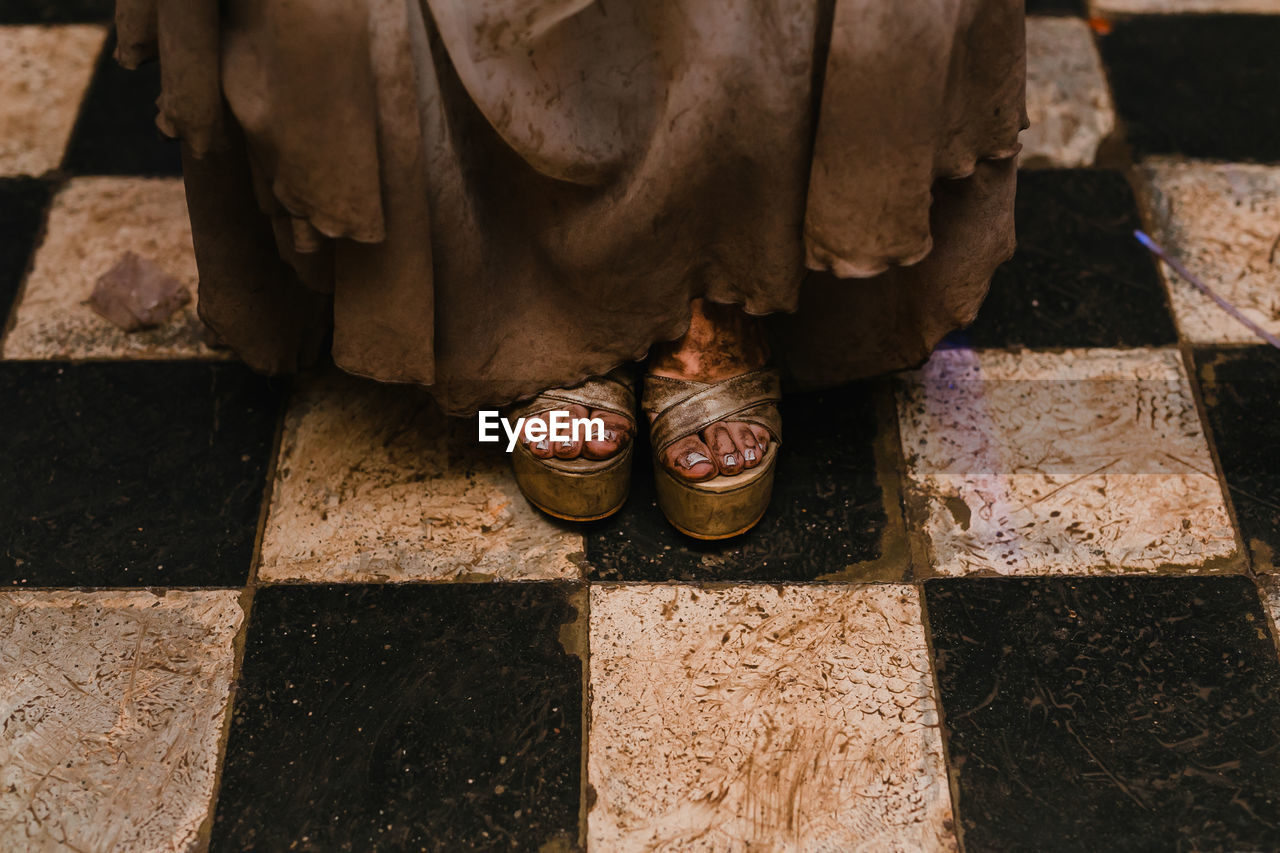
(413, 184)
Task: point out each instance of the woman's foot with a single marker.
(722, 341)
(617, 433)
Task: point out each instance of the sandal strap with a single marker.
(613, 392)
(684, 407)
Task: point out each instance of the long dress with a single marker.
(493, 197)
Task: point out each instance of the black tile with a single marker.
(22, 205)
(1056, 7)
(116, 132)
(827, 512)
(1242, 397)
(405, 717)
(123, 474)
(1197, 85)
(1109, 713)
(1078, 277)
(55, 11)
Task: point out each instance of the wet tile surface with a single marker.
(828, 511)
(404, 718)
(43, 75)
(113, 705)
(1145, 710)
(1197, 85)
(375, 484)
(1082, 461)
(131, 474)
(1242, 397)
(93, 222)
(1222, 222)
(22, 206)
(116, 133)
(1078, 277)
(772, 718)
(1068, 101)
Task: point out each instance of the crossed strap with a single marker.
(612, 392)
(685, 407)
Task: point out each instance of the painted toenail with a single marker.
(693, 459)
(749, 454)
(730, 460)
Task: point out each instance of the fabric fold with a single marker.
(493, 197)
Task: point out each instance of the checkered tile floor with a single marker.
(1022, 598)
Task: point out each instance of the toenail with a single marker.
(610, 435)
(730, 460)
(693, 459)
(542, 445)
(749, 454)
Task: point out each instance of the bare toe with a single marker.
(746, 441)
(724, 451)
(540, 447)
(617, 432)
(690, 459)
(762, 437)
(563, 444)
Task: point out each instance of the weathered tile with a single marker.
(406, 717)
(1222, 222)
(1197, 85)
(1068, 101)
(131, 474)
(92, 223)
(54, 11)
(22, 205)
(1269, 585)
(834, 508)
(43, 75)
(1082, 461)
(1109, 713)
(763, 717)
(374, 484)
(116, 133)
(1241, 388)
(1078, 278)
(112, 708)
(1177, 7)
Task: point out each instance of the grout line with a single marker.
(953, 779)
(204, 835)
(1245, 556)
(586, 793)
(55, 184)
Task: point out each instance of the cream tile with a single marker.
(1083, 462)
(1270, 585)
(1165, 7)
(374, 484)
(112, 706)
(92, 223)
(1068, 101)
(44, 72)
(763, 718)
(1222, 221)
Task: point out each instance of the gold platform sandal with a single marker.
(722, 506)
(579, 489)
